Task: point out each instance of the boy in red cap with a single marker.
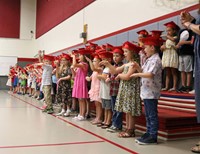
(118, 56)
(150, 74)
(47, 80)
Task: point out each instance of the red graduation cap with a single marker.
(48, 57)
(118, 49)
(130, 46)
(105, 54)
(156, 33)
(95, 55)
(151, 41)
(66, 56)
(108, 47)
(84, 51)
(143, 32)
(172, 25)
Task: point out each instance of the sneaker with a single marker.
(61, 113)
(113, 129)
(142, 137)
(67, 113)
(192, 92)
(49, 111)
(182, 89)
(147, 141)
(80, 118)
(76, 117)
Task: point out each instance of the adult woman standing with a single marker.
(186, 20)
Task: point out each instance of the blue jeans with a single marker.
(151, 114)
(117, 116)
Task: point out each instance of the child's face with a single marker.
(128, 54)
(96, 62)
(81, 58)
(47, 62)
(149, 50)
(170, 31)
(117, 58)
(63, 61)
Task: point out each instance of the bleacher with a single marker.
(177, 117)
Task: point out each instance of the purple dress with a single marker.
(80, 89)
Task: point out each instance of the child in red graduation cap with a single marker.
(151, 75)
(80, 89)
(128, 97)
(64, 93)
(47, 80)
(170, 56)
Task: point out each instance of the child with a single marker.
(118, 56)
(23, 81)
(105, 89)
(80, 89)
(64, 93)
(128, 98)
(95, 87)
(150, 75)
(186, 51)
(46, 81)
(142, 34)
(170, 56)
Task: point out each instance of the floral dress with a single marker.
(128, 98)
(64, 93)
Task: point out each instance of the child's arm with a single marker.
(93, 68)
(113, 69)
(103, 76)
(143, 75)
(75, 64)
(126, 76)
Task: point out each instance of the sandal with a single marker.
(100, 124)
(96, 122)
(105, 126)
(127, 133)
(195, 149)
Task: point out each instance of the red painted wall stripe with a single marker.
(50, 13)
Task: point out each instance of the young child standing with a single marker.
(118, 56)
(64, 93)
(46, 81)
(105, 89)
(80, 90)
(170, 56)
(95, 87)
(128, 98)
(185, 50)
(150, 75)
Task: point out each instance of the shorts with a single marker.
(106, 103)
(185, 63)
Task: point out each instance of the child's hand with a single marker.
(117, 77)
(88, 59)
(87, 78)
(104, 62)
(163, 47)
(107, 80)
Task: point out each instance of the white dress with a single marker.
(170, 56)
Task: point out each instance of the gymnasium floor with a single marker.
(26, 130)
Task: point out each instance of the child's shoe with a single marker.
(67, 113)
(61, 113)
